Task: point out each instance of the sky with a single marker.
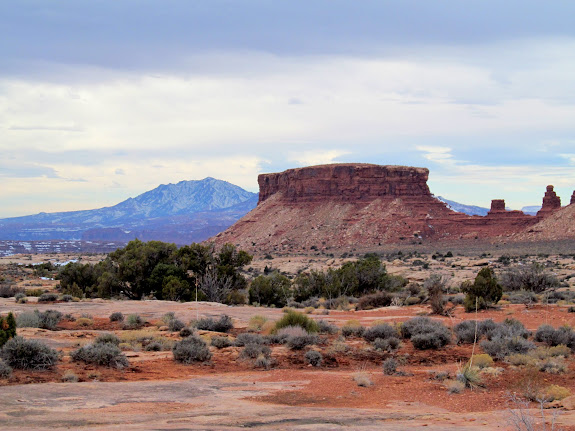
(104, 100)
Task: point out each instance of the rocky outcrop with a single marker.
(572, 198)
(346, 206)
(345, 183)
(551, 203)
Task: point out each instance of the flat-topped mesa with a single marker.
(345, 182)
(551, 202)
(497, 206)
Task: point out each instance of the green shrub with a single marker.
(293, 318)
(133, 321)
(482, 360)
(221, 342)
(107, 337)
(106, 354)
(5, 370)
(485, 290)
(223, 324)
(313, 357)
(270, 290)
(7, 328)
(26, 354)
(191, 349)
(534, 278)
(116, 317)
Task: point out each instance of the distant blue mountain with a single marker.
(465, 209)
(184, 212)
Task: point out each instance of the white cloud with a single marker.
(319, 157)
(436, 154)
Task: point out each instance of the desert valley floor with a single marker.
(227, 392)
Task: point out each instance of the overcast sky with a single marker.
(106, 99)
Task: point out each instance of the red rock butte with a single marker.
(364, 205)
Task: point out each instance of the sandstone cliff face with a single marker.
(345, 182)
(345, 206)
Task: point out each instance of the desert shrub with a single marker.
(67, 298)
(552, 365)
(559, 350)
(257, 323)
(116, 317)
(28, 319)
(176, 325)
(324, 327)
(21, 298)
(520, 359)
(455, 387)
(248, 338)
(486, 328)
(291, 331)
(221, 342)
(465, 331)
(554, 296)
(554, 337)
(483, 291)
(5, 370)
(34, 292)
(167, 317)
(133, 321)
(571, 310)
(523, 297)
(500, 347)
(362, 379)
(223, 324)
(313, 357)
(387, 345)
(435, 286)
(84, 322)
(26, 354)
(555, 392)
(375, 300)
(426, 333)
(389, 366)
(298, 342)
(482, 360)
(8, 290)
(69, 377)
(262, 362)
(509, 328)
(533, 277)
(48, 319)
(293, 318)
(457, 299)
(106, 354)
(107, 337)
(154, 346)
(382, 331)
(469, 376)
(352, 330)
(252, 351)
(191, 349)
(48, 297)
(186, 332)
